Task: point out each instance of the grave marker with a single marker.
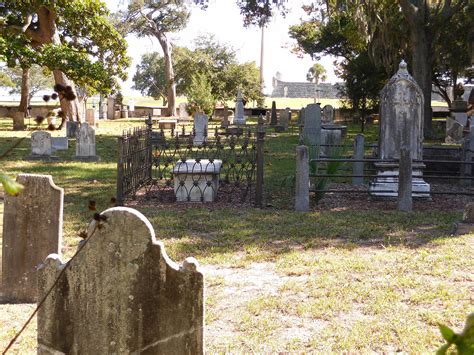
(85, 144)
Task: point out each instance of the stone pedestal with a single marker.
(200, 128)
(196, 181)
(239, 119)
(386, 183)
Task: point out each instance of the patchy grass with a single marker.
(326, 281)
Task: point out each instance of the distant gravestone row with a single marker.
(120, 294)
(43, 145)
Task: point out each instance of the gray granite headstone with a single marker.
(183, 112)
(71, 128)
(41, 146)
(285, 118)
(32, 228)
(401, 125)
(312, 126)
(327, 115)
(121, 295)
(200, 128)
(330, 140)
(239, 109)
(85, 143)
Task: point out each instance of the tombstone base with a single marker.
(239, 121)
(92, 158)
(461, 228)
(41, 157)
(385, 184)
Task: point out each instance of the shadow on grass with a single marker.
(261, 235)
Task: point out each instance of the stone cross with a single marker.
(32, 229)
(239, 109)
(121, 295)
(200, 128)
(85, 143)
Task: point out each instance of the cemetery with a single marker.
(219, 218)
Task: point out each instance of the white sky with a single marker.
(223, 20)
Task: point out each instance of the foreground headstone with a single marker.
(85, 144)
(41, 146)
(121, 295)
(32, 228)
(401, 125)
(200, 128)
(239, 109)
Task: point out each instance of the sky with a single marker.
(223, 20)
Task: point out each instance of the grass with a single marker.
(326, 281)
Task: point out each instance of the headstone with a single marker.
(401, 125)
(312, 126)
(59, 143)
(327, 115)
(110, 109)
(91, 116)
(239, 109)
(183, 112)
(454, 131)
(330, 141)
(285, 118)
(274, 121)
(302, 179)
(41, 146)
(71, 128)
(156, 112)
(32, 228)
(468, 215)
(358, 166)
(85, 144)
(301, 117)
(200, 128)
(225, 118)
(121, 295)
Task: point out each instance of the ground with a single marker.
(351, 275)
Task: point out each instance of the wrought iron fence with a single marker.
(134, 162)
(227, 166)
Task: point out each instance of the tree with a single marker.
(157, 18)
(38, 80)
(73, 38)
(316, 73)
(149, 77)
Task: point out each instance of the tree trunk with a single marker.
(19, 123)
(422, 68)
(70, 108)
(169, 73)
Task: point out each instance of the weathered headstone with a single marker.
(401, 125)
(71, 128)
(121, 295)
(301, 117)
(183, 112)
(85, 144)
(91, 117)
(330, 141)
(200, 128)
(41, 146)
(302, 179)
(358, 166)
(110, 110)
(239, 109)
(274, 120)
(285, 118)
(327, 115)
(59, 143)
(32, 228)
(454, 131)
(312, 127)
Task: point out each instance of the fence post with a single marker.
(358, 167)
(405, 201)
(149, 147)
(302, 179)
(468, 151)
(119, 197)
(260, 150)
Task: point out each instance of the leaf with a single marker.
(11, 186)
(447, 333)
(443, 349)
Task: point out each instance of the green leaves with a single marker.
(447, 333)
(11, 186)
